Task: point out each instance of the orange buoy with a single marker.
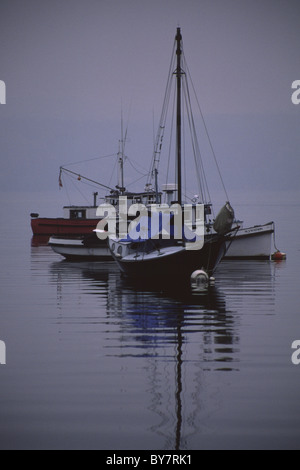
(278, 256)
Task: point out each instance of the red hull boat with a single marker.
(82, 220)
(77, 220)
(60, 226)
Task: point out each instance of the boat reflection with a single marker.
(180, 341)
(39, 240)
(178, 333)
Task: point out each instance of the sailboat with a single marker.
(159, 247)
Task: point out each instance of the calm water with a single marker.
(95, 362)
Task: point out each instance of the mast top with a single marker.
(178, 40)
(178, 35)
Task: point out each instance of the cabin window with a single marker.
(77, 214)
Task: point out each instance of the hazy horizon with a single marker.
(69, 68)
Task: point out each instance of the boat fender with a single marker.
(278, 256)
(224, 219)
(199, 279)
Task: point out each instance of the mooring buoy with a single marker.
(278, 256)
(200, 280)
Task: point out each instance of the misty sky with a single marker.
(70, 65)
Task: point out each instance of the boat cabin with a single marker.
(90, 212)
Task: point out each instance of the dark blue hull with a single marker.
(178, 265)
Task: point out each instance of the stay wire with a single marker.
(171, 138)
(90, 160)
(65, 186)
(113, 172)
(160, 133)
(207, 133)
(202, 181)
(72, 180)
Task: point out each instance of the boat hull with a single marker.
(251, 243)
(75, 250)
(171, 263)
(61, 226)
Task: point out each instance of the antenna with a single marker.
(121, 155)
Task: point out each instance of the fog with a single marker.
(70, 66)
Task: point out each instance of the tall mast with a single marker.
(121, 158)
(178, 122)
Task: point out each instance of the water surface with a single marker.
(94, 361)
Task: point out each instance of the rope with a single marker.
(207, 133)
(90, 160)
(113, 172)
(66, 188)
(134, 167)
(171, 139)
(200, 173)
(274, 238)
(161, 128)
(136, 181)
(202, 181)
(62, 169)
(77, 188)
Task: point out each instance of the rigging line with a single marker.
(199, 174)
(127, 124)
(113, 172)
(199, 161)
(138, 171)
(207, 134)
(171, 136)
(186, 190)
(138, 164)
(160, 133)
(91, 185)
(77, 188)
(90, 160)
(153, 127)
(196, 148)
(184, 152)
(66, 188)
(85, 178)
(136, 181)
(205, 189)
(188, 197)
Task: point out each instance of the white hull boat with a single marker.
(83, 248)
(251, 243)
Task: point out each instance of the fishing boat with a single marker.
(251, 242)
(87, 243)
(83, 219)
(83, 248)
(76, 220)
(157, 246)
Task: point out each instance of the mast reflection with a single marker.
(176, 331)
